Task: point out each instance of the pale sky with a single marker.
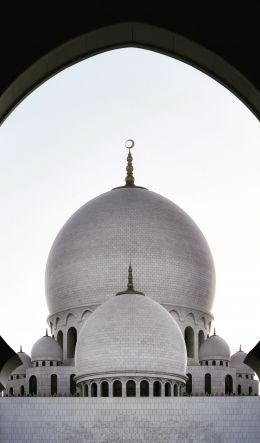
(196, 144)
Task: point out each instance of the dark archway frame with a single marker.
(130, 34)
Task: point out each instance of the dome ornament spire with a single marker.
(129, 180)
(240, 348)
(130, 284)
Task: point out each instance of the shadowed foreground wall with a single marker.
(201, 419)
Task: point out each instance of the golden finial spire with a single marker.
(46, 335)
(129, 180)
(240, 348)
(21, 349)
(130, 284)
(214, 331)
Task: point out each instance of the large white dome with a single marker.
(89, 256)
(130, 333)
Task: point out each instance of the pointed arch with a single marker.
(190, 318)
(104, 389)
(71, 342)
(54, 384)
(207, 384)
(228, 385)
(72, 384)
(175, 315)
(70, 319)
(189, 384)
(157, 389)
(167, 389)
(144, 388)
(130, 388)
(201, 338)
(189, 340)
(86, 314)
(33, 385)
(117, 388)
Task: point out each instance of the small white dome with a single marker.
(26, 364)
(237, 361)
(46, 348)
(130, 333)
(214, 348)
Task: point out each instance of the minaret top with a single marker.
(129, 180)
(130, 285)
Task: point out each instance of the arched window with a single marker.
(189, 384)
(189, 340)
(72, 384)
(22, 391)
(250, 390)
(175, 390)
(94, 390)
(214, 362)
(60, 339)
(51, 363)
(207, 384)
(86, 391)
(226, 363)
(130, 388)
(144, 388)
(201, 338)
(37, 364)
(246, 375)
(221, 363)
(206, 363)
(104, 389)
(71, 342)
(54, 384)
(157, 389)
(43, 363)
(33, 385)
(228, 385)
(11, 391)
(117, 389)
(167, 389)
(238, 389)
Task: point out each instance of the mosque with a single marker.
(130, 284)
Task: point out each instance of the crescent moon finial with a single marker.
(129, 180)
(129, 144)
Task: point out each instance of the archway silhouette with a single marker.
(129, 34)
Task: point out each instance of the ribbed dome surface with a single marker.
(130, 333)
(237, 361)
(46, 348)
(88, 259)
(214, 348)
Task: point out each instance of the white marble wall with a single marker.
(117, 420)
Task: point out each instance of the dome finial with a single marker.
(130, 285)
(129, 180)
(21, 349)
(240, 348)
(214, 331)
(46, 335)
